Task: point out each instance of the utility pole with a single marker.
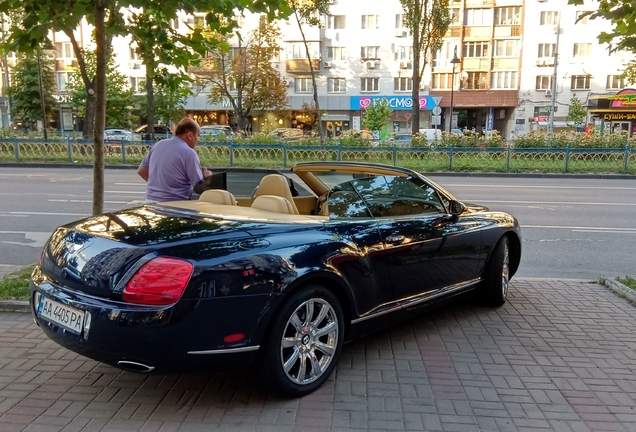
(554, 77)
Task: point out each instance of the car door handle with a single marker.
(394, 239)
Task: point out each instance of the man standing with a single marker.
(172, 167)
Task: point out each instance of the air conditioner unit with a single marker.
(370, 65)
(548, 93)
(540, 1)
(402, 65)
(400, 32)
(326, 65)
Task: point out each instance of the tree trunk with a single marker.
(99, 118)
(150, 104)
(415, 113)
(88, 131)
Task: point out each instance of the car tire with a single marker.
(497, 275)
(303, 343)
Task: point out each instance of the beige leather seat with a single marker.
(276, 184)
(218, 196)
(273, 203)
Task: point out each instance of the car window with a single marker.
(390, 196)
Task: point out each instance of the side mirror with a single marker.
(456, 208)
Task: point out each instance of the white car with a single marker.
(118, 135)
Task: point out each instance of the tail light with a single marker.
(161, 281)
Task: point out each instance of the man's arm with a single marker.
(143, 173)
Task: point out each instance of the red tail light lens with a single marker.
(161, 281)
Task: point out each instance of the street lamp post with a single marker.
(454, 62)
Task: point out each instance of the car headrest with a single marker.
(273, 203)
(276, 184)
(218, 196)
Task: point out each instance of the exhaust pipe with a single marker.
(133, 366)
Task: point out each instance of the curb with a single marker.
(14, 306)
(619, 289)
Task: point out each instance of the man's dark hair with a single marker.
(186, 125)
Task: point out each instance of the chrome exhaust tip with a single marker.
(134, 366)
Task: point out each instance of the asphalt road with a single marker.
(579, 228)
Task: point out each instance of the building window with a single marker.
(336, 85)
(476, 81)
(615, 82)
(455, 15)
(199, 21)
(544, 82)
(475, 49)
(443, 57)
(369, 52)
(296, 50)
(370, 21)
(62, 80)
(404, 53)
(580, 82)
(368, 85)
(303, 85)
(336, 21)
(402, 84)
(442, 81)
(546, 50)
(399, 21)
(503, 80)
(138, 84)
(64, 50)
(549, 18)
(506, 48)
(478, 17)
(336, 53)
(582, 49)
(508, 15)
(580, 19)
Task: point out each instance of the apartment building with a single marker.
(503, 65)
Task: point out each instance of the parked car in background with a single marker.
(457, 131)
(161, 132)
(213, 131)
(119, 135)
(431, 135)
(267, 279)
(402, 139)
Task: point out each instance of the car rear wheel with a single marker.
(305, 341)
(497, 275)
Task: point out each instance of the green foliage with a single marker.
(119, 95)
(577, 113)
(628, 281)
(25, 89)
(170, 94)
(15, 286)
(538, 139)
(377, 115)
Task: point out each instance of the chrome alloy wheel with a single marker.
(309, 341)
(505, 271)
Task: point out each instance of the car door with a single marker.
(428, 252)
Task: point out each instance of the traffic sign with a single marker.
(437, 111)
(436, 120)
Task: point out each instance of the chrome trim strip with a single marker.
(415, 300)
(412, 301)
(227, 351)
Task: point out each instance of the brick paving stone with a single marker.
(558, 356)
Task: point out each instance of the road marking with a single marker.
(87, 201)
(549, 202)
(38, 238)
(130, 184)
(580, 228)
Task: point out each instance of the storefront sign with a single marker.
(619, 116)
(623, 99)
(490, 120)
(395, 102)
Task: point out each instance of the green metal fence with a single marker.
(491, 159)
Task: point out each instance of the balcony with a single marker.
(479, 3)
(454, 31)
(301, 65)
(506, 63)
(507, 31)
(476, 63)
(478, 32)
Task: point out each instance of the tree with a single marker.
(170, 93)
(308, 12)
(577, 112)
(427, 21)
(119, 95)
(245, 75)
(25, 89)
(42, 16)
(376, 116)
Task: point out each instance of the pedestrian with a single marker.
(172, 167)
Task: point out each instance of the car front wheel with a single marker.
(303, 347)
(497, 275)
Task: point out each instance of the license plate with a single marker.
(67, 317)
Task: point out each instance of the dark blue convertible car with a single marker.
(271, 278)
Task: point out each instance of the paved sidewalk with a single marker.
(559, 356)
